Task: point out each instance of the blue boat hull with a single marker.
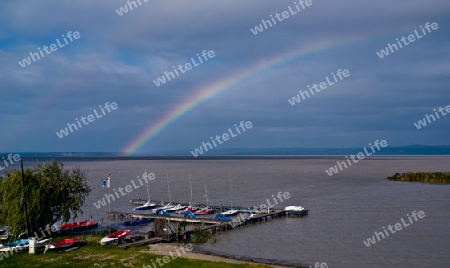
(137, 222)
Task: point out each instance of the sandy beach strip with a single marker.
(165, 249)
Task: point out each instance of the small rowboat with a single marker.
(43, 243)
(116, 236)
(21, 242)
(79, 226)
(63, 244)
(15, 245)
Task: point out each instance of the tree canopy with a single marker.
(52, 194)
(429, 177)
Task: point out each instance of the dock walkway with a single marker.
(161, 225)
(142, 242)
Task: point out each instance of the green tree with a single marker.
(52, 194)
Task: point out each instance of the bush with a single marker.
(427, 177)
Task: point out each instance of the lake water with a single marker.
(346, 208)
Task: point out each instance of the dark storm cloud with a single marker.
(118, 57)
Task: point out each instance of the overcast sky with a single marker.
(117, 58)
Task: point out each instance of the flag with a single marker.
(106, 181)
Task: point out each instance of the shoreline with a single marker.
(164, 249)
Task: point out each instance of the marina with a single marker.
(169, 228)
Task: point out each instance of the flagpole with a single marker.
(109, 203)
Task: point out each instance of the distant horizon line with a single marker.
(239, 151)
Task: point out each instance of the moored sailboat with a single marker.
(149, 204)
(190, 207)
(207, 209)
(175, 208)
(146, 206)
(230, 212)
(204, 211)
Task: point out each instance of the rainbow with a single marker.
(209, 91)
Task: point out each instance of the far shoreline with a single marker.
(437, 177)
(37, 159)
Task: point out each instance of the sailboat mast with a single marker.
(168, 187)
(148, 192)
(206, 191)
(190, 185)
(109, 203)
(231, 196)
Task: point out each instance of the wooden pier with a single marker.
(141, 242)
(161, 225)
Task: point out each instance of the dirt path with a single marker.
(165, 249)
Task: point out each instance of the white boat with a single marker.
(15, 248)
(22, 245)
(43, 242)
(148, 205)
(39, 244)
(175, 208)
(294, 208)
(8, 249)
(114, 237)
(230, 212)
(168, 206)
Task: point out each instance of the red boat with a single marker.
(204, 211)
(185, 210)
(79, 226)
(116, 236)
(65, 243)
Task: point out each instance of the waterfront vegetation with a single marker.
(200, 236)
(94, 255)
(48, 193)
(427, 177)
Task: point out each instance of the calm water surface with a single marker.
(346, 208)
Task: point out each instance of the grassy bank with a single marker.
(94, 255)
(427, 177)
